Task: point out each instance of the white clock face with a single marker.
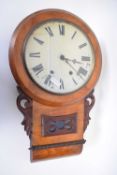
(59, 57)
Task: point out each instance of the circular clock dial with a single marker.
(59, 57)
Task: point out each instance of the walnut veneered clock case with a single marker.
(56, 61)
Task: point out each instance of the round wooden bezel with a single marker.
(17, 64)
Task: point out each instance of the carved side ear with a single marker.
(88, 104)
(24, 104)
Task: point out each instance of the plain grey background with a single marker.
(99, 155)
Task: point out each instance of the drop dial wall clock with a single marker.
(56, 61)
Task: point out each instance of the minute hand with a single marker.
(71, 66)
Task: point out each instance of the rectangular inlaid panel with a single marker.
(59, 125)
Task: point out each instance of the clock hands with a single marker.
(71, 66)
(67, 61)
(62, 57)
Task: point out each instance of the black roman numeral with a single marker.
(82, 45)
(38, 68)
(48, 29)
(74, 81)
(47, 80)
(82, 71)
(62, 29)
(73, 35)
(38, 40)
(85, 58)
(62, 84)
(35, 54)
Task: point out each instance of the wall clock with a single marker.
(55, 59)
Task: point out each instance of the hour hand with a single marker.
(62, 57)
(75, 61)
